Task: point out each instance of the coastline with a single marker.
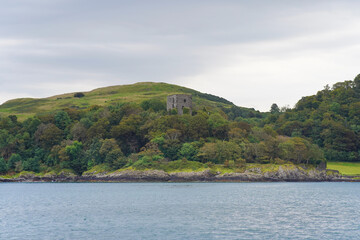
(296, 174)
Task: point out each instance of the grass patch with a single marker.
(172, 166)
(269, 167)
(183, 166)
(102, 168)
(345, 168)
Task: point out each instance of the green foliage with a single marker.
(101, 168)
(75, 155)
(219, 152)
(330, 119)
(173, 111)
(15, 158)
(189, 151)
(147, 162)
(3, 165)
(153, 104)
(62, 119)
(74, 150)
(186, 110)
(79, 95)
(198, 127)
(48, 135)
(171, 148)
(143, 135)
(99, 129)
(274, 108)
(213, 98)
(30, 125)
(218, 126)
(235, 112)
(31, 164)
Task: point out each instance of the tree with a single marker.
(219, 152)
(219, 126)
(48, 135)
(7, 143)
(3, 166)
(128, 133)
(62, 120)
(115, 159)
(255, 152)
(274, 108)
(112, 154)
(31, 164)
(172, 134)
(189, 151)
(296, 150)
(92, 154)
(99, 129)
(76, 159)
(171, 148)
(15, 158)
(237, 135)
(153, 104)
(78, 131)
(107, 146)
(357, 84)
(13, 118)
(30, 125)
(198, 127)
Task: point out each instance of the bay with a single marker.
(180, 211)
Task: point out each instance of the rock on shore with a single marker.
(294, 174)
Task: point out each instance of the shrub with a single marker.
(31, 164)
(153, 104)
(79, 95)
(13, 160)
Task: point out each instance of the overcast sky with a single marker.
(253, 53)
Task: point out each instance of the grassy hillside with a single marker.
(26, 107)
(345, 168)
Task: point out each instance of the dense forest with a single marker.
(144, 135)
(330, 119)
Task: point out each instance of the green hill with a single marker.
(27, 107)
(128, 127)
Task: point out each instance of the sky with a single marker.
(253, 53)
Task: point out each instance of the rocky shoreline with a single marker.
(296, 174)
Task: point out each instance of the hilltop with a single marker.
(107, 96)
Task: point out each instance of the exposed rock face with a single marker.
(192, 176)
(129, 176)
(294, 174)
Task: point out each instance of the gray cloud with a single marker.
(252, 52)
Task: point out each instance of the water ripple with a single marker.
(180, 211)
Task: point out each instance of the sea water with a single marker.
(179, 211)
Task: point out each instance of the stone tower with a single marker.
(179, 102)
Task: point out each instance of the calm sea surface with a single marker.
(179, 211)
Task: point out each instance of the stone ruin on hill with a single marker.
(179, 102)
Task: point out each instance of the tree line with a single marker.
(325, 126)
(330, 119)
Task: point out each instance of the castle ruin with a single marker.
(179, 102)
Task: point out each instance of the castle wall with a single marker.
(179, 101)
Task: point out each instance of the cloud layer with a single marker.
(253, 53)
